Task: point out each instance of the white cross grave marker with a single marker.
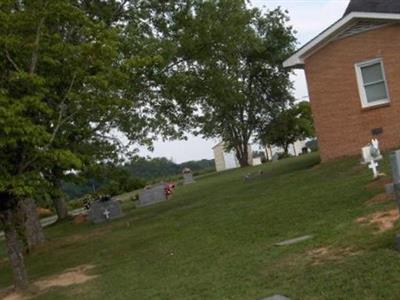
(374, 166)
(107, 213)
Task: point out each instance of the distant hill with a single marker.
(135, 174)
(158, 168)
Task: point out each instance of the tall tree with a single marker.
(246, 81)
(63, 96)
(288, 125)
(221, 65)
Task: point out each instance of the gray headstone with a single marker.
(395, 163)
(188, 178)
(276, 297)
(389, 188)
(152, 195)
(102, 211)
(294, 241)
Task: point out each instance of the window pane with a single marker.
(372, 73)
(376, 92)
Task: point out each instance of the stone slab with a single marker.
(276, 297)
(152, 195)
(294, 241)
(389, 188)
(103, 211)
(187, 178)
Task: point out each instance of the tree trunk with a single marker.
(242, 155)
(286, 148)
(31, 228)
(61, 208)
(14, 250)
(267, 153)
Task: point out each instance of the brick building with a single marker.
(353, 76)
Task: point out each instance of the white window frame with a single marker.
(361, 85)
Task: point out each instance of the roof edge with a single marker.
(296, 60)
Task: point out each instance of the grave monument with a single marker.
(394, 188)
(187, 176)
(152, 194)
(103, 210)
(371, 155)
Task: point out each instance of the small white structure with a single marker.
(225, 160)
(257, 161)
(371, 152)
(294, 149)
(370, 155)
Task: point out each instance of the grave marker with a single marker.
(152, 194)
(371, 154)
(187, 176)
(104, 209)
(294, 241)
(276, 297)
(394, 188)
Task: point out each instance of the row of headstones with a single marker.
(106, 208)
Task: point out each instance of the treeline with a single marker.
(150, 169)
(115, 180)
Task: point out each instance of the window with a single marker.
(372, 83)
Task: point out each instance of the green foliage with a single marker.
(119, 181)
(242, 79)
(288, 125)
(70, 85)
(115, 180)
(158, 168)
(217, 62)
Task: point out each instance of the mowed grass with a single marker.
(215, 240)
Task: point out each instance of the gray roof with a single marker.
(378, 6)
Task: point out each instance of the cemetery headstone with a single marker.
(187, 176)
(294, 241)
(371, 155)
(276, 297)
(104, 209)
(257, 161)
(152, 194)
(275, 157)
(394, 188)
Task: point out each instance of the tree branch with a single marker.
(35, 51)
(8, 56)
(60, 122)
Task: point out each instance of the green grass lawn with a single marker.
(215, 240)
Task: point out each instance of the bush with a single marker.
(283, 155)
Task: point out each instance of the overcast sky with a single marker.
(308, 17)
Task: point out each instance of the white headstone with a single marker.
(187, 176)
(371, 152)
(373, 165)
(257, 161)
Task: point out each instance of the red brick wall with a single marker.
(342, 125)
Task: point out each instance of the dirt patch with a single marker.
(67, 278)
(379, 199)
(77, 238)
(383, 221)
(80, 219)
(44, 212)
(326, 254)
(379, 183)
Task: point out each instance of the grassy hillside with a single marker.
(215, 240)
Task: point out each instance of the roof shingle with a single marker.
(378, 6)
